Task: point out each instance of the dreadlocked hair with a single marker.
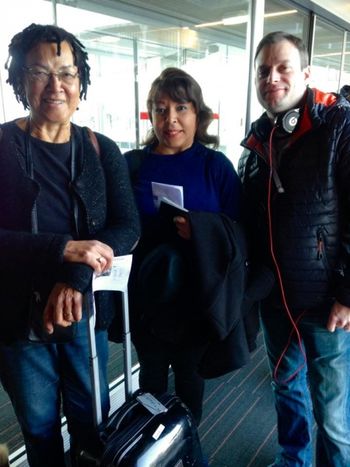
(32, 35)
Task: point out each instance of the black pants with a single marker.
(155, 357)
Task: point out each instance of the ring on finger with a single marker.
(99, 260)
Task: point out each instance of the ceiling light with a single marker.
(234, 20)
(280, 13)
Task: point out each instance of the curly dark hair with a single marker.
(24, 41)
(179, 86)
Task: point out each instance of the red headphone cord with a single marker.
(279, 276)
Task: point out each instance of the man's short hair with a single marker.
(279, 36)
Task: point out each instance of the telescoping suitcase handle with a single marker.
(114, 280)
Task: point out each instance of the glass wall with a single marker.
(127, 55)
(327, 56)
(110, 103)
(130, 43)
(345, 75)
(281, 16)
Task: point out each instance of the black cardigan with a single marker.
(107, 212)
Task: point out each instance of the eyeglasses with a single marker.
(41, 76)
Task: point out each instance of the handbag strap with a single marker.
(30, 173)
(94, 141)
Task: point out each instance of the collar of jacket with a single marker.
(306, 122)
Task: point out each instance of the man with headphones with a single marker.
(295, 171)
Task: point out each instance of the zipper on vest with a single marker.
(320, 245)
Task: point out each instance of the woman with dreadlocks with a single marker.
(66, 208)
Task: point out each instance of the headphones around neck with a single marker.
(286, 121)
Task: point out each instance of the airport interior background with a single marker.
(129, 42)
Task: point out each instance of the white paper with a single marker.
(171, 203)
(173, 193)
(116, 278)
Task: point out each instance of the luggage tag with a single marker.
(151, 403)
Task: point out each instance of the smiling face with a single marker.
(174, 124)
(280, 81)
(54, 101)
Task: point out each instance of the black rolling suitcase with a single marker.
(145, 431)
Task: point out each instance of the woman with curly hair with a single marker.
(65, 211)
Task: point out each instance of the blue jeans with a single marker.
(318, 387)
(37, 377)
